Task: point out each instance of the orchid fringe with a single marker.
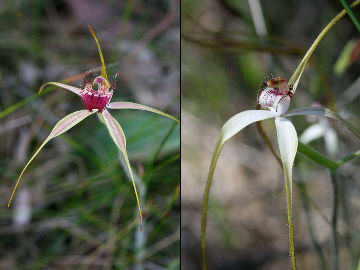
(294, 80)
(214, 159)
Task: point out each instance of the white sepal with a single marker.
(288, 142)
(241, 120)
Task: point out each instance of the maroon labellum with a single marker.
(275, 95)
(99, 99)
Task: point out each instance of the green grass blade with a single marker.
(351, 14)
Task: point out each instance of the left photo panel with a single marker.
(90, 134)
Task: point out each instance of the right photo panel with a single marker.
(270, 135)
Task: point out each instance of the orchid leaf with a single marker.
(65, 86)
(288, 142)
(231, 127)
(62, 126)
(317, 157)
(326, 113)
(103, 70)
(118, 136)
(136, 106)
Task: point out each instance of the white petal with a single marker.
(241, 120)
(313, 132)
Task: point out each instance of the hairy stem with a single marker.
(206, 200)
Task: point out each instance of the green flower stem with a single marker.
(294, 80)
(334, 219)
(218, 147)
(288, 188)
(317, 157)
(348, 158)
(351, 14)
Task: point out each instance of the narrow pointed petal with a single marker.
(103, 70)
(62, 126)
(118, 136)
(231, 127)
(65, 86)
(136, 106)
(326, 113)
(288, 142)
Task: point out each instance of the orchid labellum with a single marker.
(96, 101)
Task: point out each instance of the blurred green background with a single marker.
(75, 207)
(228, 48)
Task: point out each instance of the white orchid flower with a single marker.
(275, 97)
(321, 128)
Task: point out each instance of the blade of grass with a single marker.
(351, 14)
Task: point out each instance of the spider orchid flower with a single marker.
(96, 101)
(275, 97)
(321, 128)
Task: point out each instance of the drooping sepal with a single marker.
(288, 143)
(62, 126)
(118, 136)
